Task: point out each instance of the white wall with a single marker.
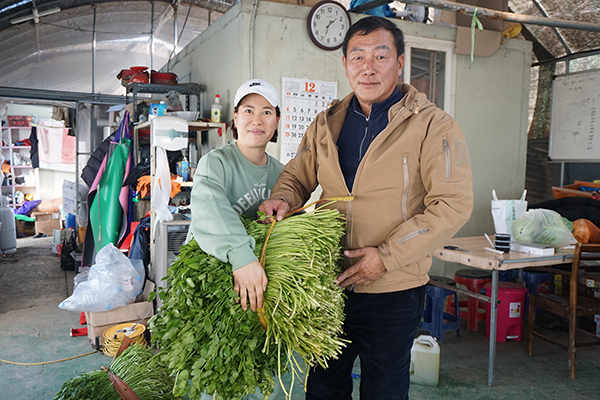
(491, 102)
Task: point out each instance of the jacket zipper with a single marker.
(298, 154)
(405, 188)
(412, 235)
(363, 139)
(447, 158)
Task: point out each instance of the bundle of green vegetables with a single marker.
(212, 345)
(137, 366)
(543, 226)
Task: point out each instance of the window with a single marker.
(430, 63)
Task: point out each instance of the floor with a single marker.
(33, 329)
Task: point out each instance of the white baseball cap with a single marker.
(258, 86)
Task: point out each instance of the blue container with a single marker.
(71, 221)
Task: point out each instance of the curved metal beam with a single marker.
(487, 13)
(23, 10)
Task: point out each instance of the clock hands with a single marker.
(328, 25)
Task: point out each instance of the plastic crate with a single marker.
(573, 190)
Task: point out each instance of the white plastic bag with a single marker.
(505, 212)
(542, 226)
(112, 281)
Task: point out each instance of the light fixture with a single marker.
(35, 16)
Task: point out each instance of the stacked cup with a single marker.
(502, 242)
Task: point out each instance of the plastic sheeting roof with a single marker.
(576, 41)
(55, 53)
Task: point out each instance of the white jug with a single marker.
(425, 361)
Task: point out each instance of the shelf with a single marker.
(13, 147)
(192, 125)
(154, 88)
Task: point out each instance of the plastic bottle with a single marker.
(216, 109)
(162, 108)
(183, 169)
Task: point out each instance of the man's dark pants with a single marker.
(382, 328)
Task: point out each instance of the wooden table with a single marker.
(483, 259)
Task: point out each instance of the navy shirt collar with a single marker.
(378, 108)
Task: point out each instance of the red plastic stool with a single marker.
(509, 317)
(473, 280)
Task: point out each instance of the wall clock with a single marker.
(327, 24)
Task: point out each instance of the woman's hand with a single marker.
(274, 208)
(250, 282)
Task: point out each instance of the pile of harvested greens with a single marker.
(137, 366)
(212, 345)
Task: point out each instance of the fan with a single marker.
(414, 13)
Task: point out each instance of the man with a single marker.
(407, 165)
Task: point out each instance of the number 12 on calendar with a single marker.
(303, 99)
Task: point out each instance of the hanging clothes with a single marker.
(109, 202)
(33, 151)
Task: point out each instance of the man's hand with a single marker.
(250, 282)
(367, 270)
(274, 207)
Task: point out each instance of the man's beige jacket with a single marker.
(412, 192)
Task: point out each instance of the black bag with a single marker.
(69, 245)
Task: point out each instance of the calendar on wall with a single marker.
(303, 99)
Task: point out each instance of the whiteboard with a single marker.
(575, 127)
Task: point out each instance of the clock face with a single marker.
(327, 24)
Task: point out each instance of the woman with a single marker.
(234, 180)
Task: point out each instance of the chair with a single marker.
(473, 280)
(570, 306)
(435, 320)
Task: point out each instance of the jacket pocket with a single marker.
(447, 159)
(412, 235)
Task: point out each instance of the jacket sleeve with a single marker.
(446, 176)
(215, 224)
(299, 176)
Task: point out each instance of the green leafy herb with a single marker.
(212, 345)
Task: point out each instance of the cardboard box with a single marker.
(486, 41)
(24, 228)
(141, 310)
(46, 222)
(532, 248)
